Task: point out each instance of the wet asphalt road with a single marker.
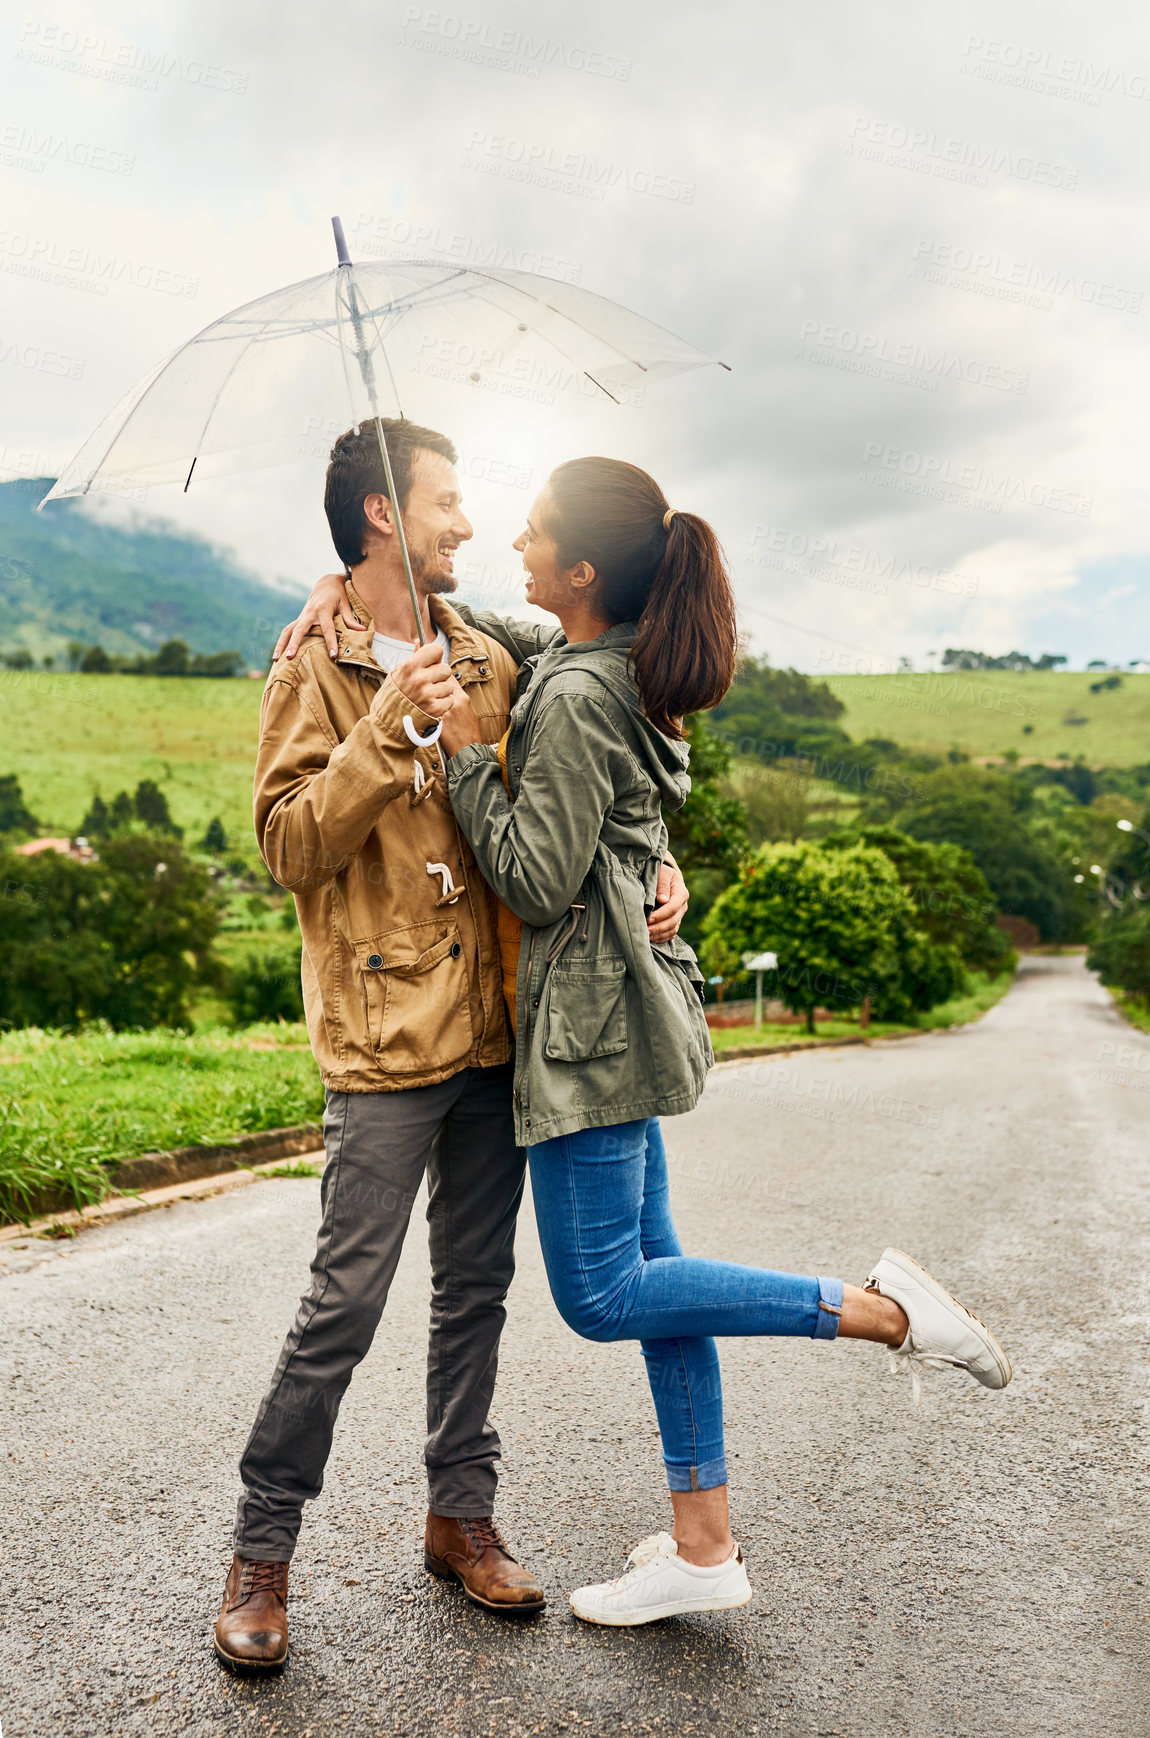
(977, 1565)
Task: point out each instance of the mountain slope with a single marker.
(67, 574)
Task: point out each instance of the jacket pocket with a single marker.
(586, 1009)
(418, 998)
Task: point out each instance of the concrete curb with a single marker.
(748, 1052)
(160, 1173)
(126, 1206)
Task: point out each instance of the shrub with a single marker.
(265, 985)
(1121, 953)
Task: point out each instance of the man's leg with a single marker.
(475, 1182)
(378, 1145)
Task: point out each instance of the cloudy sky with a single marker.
(917, 235)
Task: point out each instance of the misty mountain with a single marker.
(70, 574)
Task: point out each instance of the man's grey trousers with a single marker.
(379, 1144)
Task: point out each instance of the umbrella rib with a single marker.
(212, 408)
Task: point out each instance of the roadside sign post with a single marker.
(760, 963)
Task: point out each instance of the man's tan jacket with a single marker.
(401, 971)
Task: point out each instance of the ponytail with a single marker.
(660, 568)
(685, 652)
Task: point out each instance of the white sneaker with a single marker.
(941, 1332)
(657, 1582)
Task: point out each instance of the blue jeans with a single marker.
(617, 1272)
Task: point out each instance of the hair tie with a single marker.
(668, 516)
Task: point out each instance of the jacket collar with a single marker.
(469, 655)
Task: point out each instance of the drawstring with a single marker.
(450, 891)
(561, 940)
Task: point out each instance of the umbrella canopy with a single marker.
(251, 388)
(245, 391)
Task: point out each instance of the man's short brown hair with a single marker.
(356, 471)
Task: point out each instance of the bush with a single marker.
(843, 929)
(215, 839)
(1121, 954)
(123, 939)
(265, 985)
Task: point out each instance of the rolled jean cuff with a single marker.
(829, 1310)
(704, 1477)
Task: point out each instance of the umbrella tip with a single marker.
(340, 243)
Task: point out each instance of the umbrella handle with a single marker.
(413, 735)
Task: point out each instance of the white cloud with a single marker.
(758, 197)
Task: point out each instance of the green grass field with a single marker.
(986, 713)
(68, 736)
(72, 1107)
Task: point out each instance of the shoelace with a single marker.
(646, 1551)
(258, 1577)
(905, 1360)
(484, 1533)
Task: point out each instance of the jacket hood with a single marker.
(664, 760)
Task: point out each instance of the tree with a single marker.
(15, 816)
(20, 659)
(75, 651)
(123, 939)
(151, 807)
(983, 813)
(172, 659)
(215, 839)
(952, 902)
(96, 822)
(95, 662)
(216, 664)
(842, 927)
(122, 813)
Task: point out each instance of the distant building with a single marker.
(78, 849)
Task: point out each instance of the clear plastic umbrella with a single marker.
(242, 393)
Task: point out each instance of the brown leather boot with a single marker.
(473, 1553)
(251, 1631)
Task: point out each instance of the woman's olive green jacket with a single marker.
(609, 1028)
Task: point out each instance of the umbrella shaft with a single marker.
(400, 532)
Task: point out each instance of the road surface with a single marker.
(976, 1565)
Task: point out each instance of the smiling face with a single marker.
(433, 519)
(549, 586)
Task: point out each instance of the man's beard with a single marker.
(430, 577)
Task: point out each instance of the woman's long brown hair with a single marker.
(672, 582)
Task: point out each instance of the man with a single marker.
(403, 996)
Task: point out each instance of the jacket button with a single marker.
(456, 950)
(375, 960)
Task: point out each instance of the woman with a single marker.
(565, 821)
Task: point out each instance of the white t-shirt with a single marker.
(388, 652)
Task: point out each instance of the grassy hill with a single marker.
(68, 736)
(68, 574)
(986, 713)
